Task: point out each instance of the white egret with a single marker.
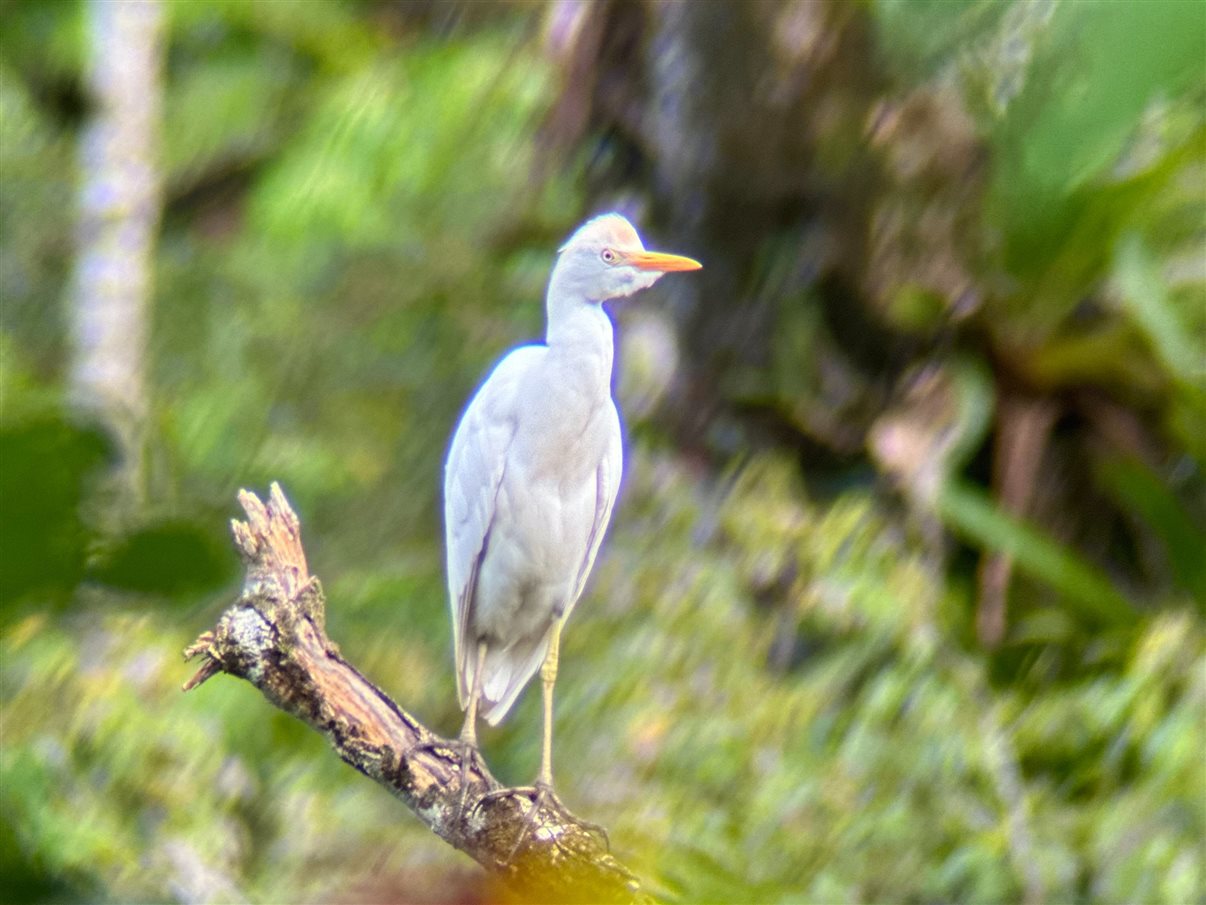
(531, 479)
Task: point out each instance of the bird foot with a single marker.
(471, 760)
(545, 803)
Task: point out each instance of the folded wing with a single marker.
(476, 463)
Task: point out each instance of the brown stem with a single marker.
(1023, 431)
(274, 637)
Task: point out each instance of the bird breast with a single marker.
(563, 420)
(546, 509)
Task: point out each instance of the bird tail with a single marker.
(505, 673)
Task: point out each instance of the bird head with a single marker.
(605, 259)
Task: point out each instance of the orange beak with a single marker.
(656, 260)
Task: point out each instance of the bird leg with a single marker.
(468, 739)
(548, 677)
(541, 793)
(466, 743)
(469, 730)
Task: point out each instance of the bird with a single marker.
(531, 479)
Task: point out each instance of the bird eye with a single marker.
(609, 256)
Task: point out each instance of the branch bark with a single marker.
(274, 637)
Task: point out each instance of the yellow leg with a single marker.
(548, 676)
(469, 730)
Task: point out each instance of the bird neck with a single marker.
(579, 329)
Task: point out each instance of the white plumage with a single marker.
(532, 476)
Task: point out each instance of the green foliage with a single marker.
(1067, 129)
(125, 789)
(1145, 494)
(226, 112)
(973, 515)
(916, 36)
(1092, 213)
(1147, 302)
(49, 465)
(35, 223)
(768, 693)
(171, 558)
(838, 728)
(1089, 150)
(396, 153)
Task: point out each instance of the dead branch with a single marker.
(274, 637)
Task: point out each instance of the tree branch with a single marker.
(274, 637)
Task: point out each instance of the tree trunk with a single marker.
(118, 219)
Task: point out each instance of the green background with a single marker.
(772, 690)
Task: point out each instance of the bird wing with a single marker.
(607, 485)
(472, 475)
(511, 667)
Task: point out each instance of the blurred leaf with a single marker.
(332, 34)
(224, 113)
(1145, 494)
(47, 39)
(972, 514)
(1095, 71)
(171, 558)
(1145, 293)
(48, 462)
(399, 152)
(976, 396)
(24, 880)
(35, 222)
(1108, 355)
(916, 309)
(916, 36)
(1047, 625)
